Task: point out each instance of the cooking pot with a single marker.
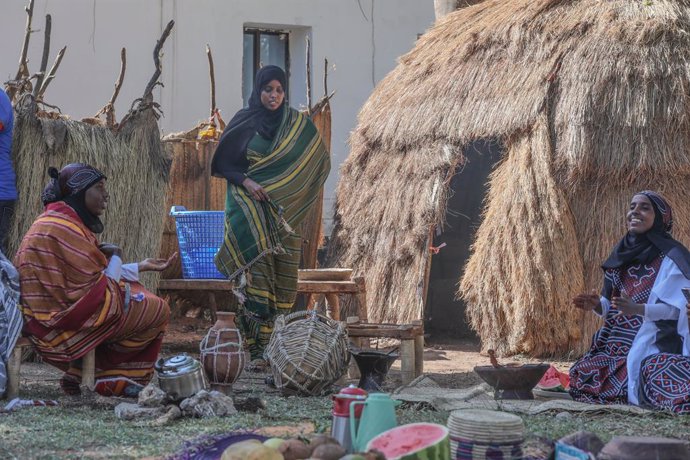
(180, 376)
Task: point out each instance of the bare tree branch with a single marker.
(46, 53)
(51, 74)
(23, 70)
(157, 61)
(121, 77)
(109, 108)
(212, 76)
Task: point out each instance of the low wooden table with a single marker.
(330, 288)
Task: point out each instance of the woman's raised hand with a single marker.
(255, 190)
(626, 305)
(587, 302)
(156, 265)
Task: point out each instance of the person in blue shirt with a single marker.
(8, 186)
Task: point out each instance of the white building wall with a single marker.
(362, 40)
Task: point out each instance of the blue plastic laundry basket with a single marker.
(199, 235)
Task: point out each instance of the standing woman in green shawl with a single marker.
(275, 163)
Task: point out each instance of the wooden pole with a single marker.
(46, 53)
(51, 74)
(23, 71)
(212, 77)
(309, 75)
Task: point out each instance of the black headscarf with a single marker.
(230, 158)
(70, 185)
(642, 249)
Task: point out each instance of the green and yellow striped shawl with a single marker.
(292, 175)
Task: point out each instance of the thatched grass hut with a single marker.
(590, 103)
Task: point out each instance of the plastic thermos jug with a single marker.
(378, 416)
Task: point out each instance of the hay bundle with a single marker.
(602, 81)
(527, 222)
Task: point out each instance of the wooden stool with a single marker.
(88, 368)
(411, 338)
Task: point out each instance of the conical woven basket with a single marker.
(307, 353)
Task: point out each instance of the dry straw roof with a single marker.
(591, 99)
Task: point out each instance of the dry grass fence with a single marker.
(132, 159)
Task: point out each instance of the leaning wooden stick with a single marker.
(212, 77)
(46, 54)
(51, 74)
(23, 71)
(309, 75)
(109, 108)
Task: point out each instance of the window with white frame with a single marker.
(263, 47)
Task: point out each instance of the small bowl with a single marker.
(512, 382)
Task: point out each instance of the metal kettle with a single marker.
(180, 376)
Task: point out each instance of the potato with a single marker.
(294, 449)
(320, 439)
(329, 452)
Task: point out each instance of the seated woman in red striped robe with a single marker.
(76, 295)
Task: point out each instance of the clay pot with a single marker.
(222, 355)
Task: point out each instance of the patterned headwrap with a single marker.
(70, 185)
(643, 248)
(72, 179)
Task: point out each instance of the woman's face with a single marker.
(640, 215)
(96, 198)
(272, 95)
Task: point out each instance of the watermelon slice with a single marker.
(414, 441)
(554, 380)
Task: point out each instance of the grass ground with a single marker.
(56, 432)
(73, 430)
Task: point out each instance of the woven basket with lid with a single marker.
(307, 353)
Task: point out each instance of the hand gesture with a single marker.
(587, 302)
(110, 250)
(156, 265)
(626, 306)
(255, 190)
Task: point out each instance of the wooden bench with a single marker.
(88, 372)
(411, 338)
(328, 282)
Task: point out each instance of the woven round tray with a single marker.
(307, 353)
